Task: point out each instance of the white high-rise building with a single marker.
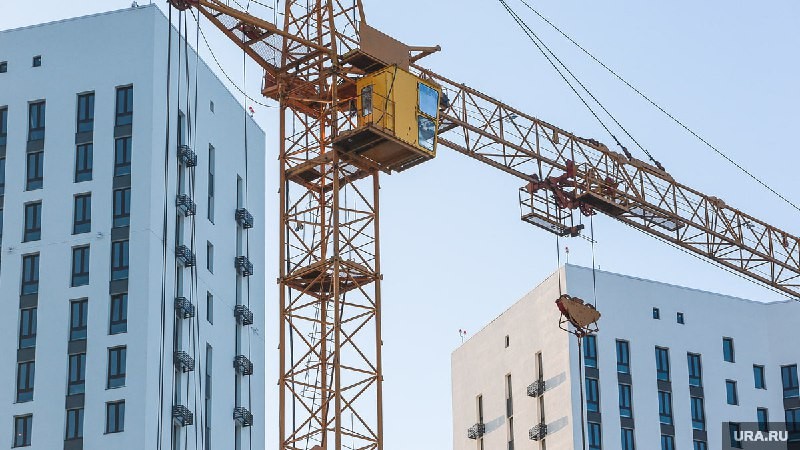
(670, 368)
(131, 284)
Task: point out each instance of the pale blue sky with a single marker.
(455, 253)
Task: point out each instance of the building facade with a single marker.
(132, 246)
(671, 368)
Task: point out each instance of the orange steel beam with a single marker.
(628, 190)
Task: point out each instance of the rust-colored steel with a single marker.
(628, 190)
(330, 368)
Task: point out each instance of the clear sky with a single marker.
(455, 253)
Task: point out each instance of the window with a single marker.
(590, 351)
(33, 222)
(122, 207)
(209, 307)
(35, 173)
(592, 395)
(25, 375)
(758, 377)
(115, 417)
(27, 328)
(625, 405)
(680, 318)
(793, 424)
(116, 367)
(82, 216)
(698, 414)
(790, 384)
(735, 430)
(80, 266)
(77, 374)
(37, 61)
(211, 105)
(23, 428)
(3, 66)
(74, 424)
(122, 156)
(119, 260)
(83, 162)
(209, 361)
(626, 438)
(595, 436)
(3, 125)
(665, 407)
(2, 176)
(366, 100)
(210, 256)
(662, 363)
(211, 175)
(667, 442)
(727, 349)
(36, 121)
(656, 313)
(118, 320)
(731, 393)
(85, 112)
(695, 369)
(124, 106)
(30, 274)
(762, 416)
(508, 341)
(78, 319)
(623, 357)
(699, 445)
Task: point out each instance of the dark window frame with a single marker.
(656, 314)
(82, 214)
(2, 176)
(592, 394)
(36, 120)
(623, 356)
(118, 314)
(33, 222)
(122, 208)
(667, 442)
(792, 420)
(78, 319)
(759, 376)
(117, 367)
(762, 419)
(27, 328)
(212, 170)
(625, 400)
(210, 308)
(627, 439)
(680, 318)
(81, 257)
(34, 170)
(790, 382)
(116, 411)
(23, 429)
(698, 413)
(210, 256)
(662, 364)
(695, 363)
(26, 374)
(74, 425)
(85, 113)
(120, 260)
(590, 351)
(728, 350)
(84, 162)
(76, 374)
(123, 155)
(731, 392)
(3, 125)
(124, 106)
(734, 428)
(30, 278)
(665, 414)
(595, 436)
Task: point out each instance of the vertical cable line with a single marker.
(177, 330)
(160, 426)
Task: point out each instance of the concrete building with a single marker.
(671, 368)
(132, 252)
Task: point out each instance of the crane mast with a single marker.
(341, 124)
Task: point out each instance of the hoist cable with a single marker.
(544, 49)
(663, 110)
(594, 266)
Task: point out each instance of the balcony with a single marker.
(182, 416)
(243, 315)
(243, 365)
(244, 218)
(244, 266)
(186, 156)
(185, 203)
(184, 309)
(242, 416)
(183, 362)
(476, 431)
(536, 388)
(185, 256)
(538, 432)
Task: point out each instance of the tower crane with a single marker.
(355, 103)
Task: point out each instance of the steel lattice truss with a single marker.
(629, 190)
